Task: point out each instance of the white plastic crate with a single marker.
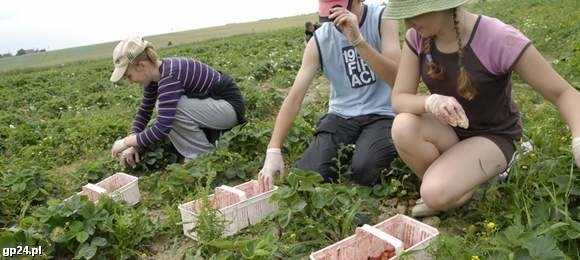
(240, 206)
(366, 242)
(122, 186)
(412, 236)
(257, 203)
(119, 186)
(92, 192)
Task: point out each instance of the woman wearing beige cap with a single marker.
(463, 134)
(191, 99)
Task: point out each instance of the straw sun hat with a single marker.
(400, 9)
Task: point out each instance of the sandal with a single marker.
(422, 210)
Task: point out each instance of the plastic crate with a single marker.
(257, 203)
(238, 206)
(366, 242)
(92, 191)
(413, 236)
(121, 186)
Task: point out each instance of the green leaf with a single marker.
(521, 254)
(261, 252)
(285, 217)
(299, 205)
(73, 205)
(541, 214)
(7, 239)
(90, 227)
(285, 193)
(82, 236)
(543, 248)
(19, 187)
(511, 236)
(76, 226)
(574, 231)
(319, 199)
(58, 235)
(223, 244)
(99, 241)
(87, 251)
(43, 214)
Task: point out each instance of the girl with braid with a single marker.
(463, 133)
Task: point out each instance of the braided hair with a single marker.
(436, 71)
(464, 87)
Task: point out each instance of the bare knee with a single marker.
(405, 129)
(434, 194)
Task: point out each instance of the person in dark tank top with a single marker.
(463, 133)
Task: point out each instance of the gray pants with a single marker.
(194, 114)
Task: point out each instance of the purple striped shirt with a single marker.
(179, 76)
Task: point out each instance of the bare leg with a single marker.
(450, 170)
(420, 140)
(451, 179)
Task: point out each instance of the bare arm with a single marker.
(385, 64)
(293, 101)
(538, 73)
(405, 97)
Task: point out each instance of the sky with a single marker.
(58, 24)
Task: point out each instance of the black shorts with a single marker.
(504, 142)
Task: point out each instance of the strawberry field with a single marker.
(57, 126)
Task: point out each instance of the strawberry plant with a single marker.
(82, 229)
(308, 210)
(21, 191)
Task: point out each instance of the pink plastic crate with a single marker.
(93, 192)
(409, 235)
(119, 186)
(257, 203)
(414, 234)
(366, 242)
(122, 186)
(239, 207)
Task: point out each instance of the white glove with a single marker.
(576, 150)
(118, 147)
(272, 164)
(447, 109)
(129, 157)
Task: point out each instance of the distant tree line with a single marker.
(22, 52)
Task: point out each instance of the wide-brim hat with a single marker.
(400, 9)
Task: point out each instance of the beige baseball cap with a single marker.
(124, 54)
